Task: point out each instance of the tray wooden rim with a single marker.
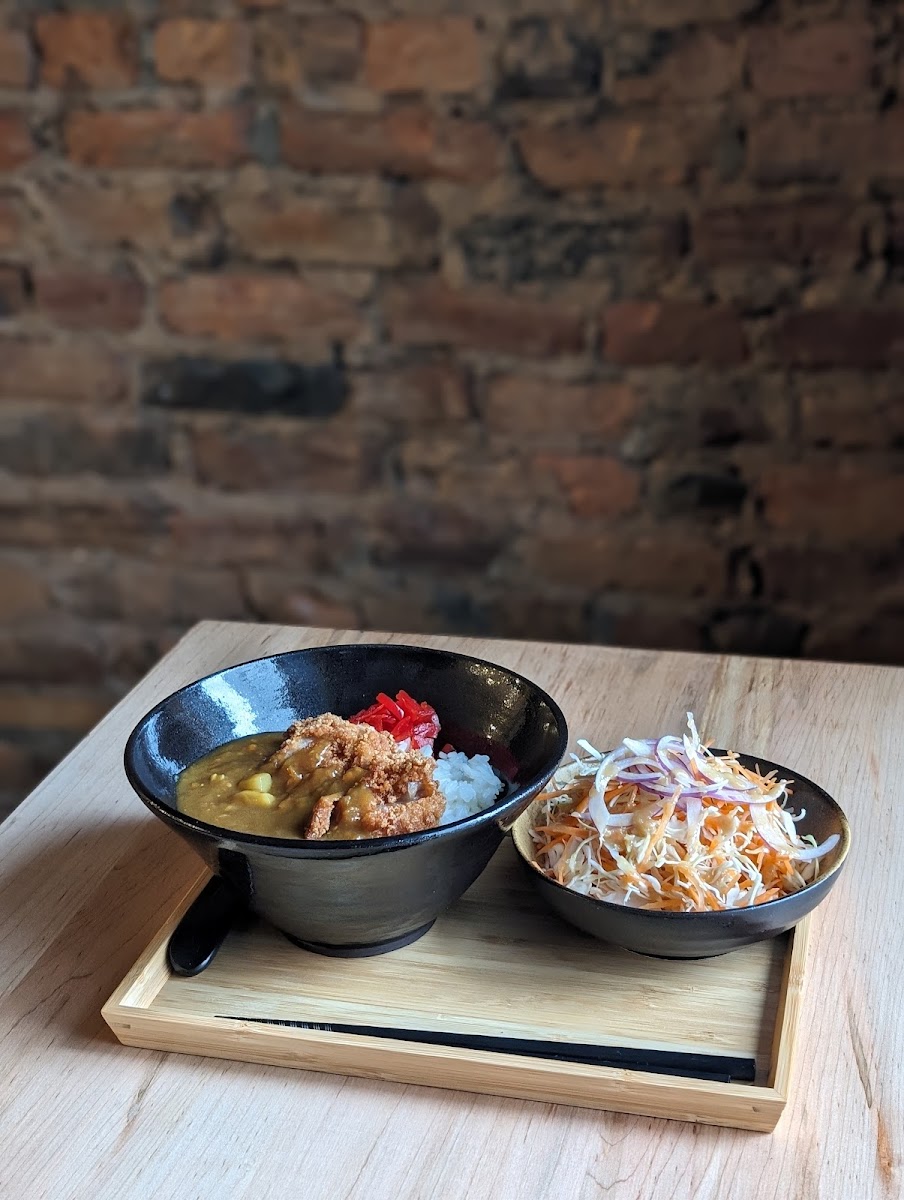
(757, 1107)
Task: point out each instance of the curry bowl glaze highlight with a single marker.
(351, 896)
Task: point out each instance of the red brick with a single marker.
(56, 653)
(666, 563)
(796, 571)
(91, 585)
(423, 393)
(284, 456)
(59, 442)
(852, 411)
(75, 372)
(895, 231)
(794, 147)
(424, 54)
(836, 501)
(255, 307)
(618, 151)
(830, 337)
(794, 232)
(284, 225)
(287, 596)
(315, 50)
(416, 226)
(98, 50)
(134, 211)
(157, 138)
(79, 511)
(596, 485)
(274, 224)
(102, 214)
(422, 313)
(13, 297)
(19, 772)
(438, 533)
(672, 14)
(407, 141)
(11, 224)
(643, 333)
(460, 467)
(79, 298)
(752, 628)
(15, 59)
(833, 59)
(28, 708)
(178, 593)
(876, 639)
(23, 590)
(520, 613)
(703, 66)
(549, 408)
(653, 626)
(205, 52)
(221, 528)
(414, 609)
(16, 145)
(689, 411)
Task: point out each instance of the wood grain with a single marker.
(87, 876)
(497, 964)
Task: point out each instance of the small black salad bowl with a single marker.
(352, 898)
(700, 934)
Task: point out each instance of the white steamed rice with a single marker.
(468, 784)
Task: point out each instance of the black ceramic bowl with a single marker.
(371, 895)
(706, 934)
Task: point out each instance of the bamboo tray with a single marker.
(500, 997)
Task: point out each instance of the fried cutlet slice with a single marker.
(397, 785)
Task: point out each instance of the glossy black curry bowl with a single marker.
(704, 934)
(371, 895)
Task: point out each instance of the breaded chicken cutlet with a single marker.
(362, 784)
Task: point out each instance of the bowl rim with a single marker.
(718, 913)
(342, 848)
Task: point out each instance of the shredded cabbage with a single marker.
(665, 824)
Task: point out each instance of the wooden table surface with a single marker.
(86, 874)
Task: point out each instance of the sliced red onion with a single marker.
(812, 852)
(643, 747)
(611, 761)
(666, 746)
(639, 760)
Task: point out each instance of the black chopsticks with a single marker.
(715, 1067)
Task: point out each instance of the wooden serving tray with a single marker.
(500, 997)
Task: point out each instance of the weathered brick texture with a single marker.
(574, 321)
(90, 49)
(203, 52)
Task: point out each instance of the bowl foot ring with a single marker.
(367, 951)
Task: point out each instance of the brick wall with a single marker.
(555, 319)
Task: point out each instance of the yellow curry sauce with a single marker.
(232, 787)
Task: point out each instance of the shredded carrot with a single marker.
(664, 824)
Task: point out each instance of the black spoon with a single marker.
(194, 942)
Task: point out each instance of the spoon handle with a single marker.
(196, 939)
